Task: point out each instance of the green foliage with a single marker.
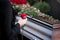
(43, 7)
(30, 13)
(31, 2)
(17, 9)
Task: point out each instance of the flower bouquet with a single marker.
(24, 7)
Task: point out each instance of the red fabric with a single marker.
(19, 1)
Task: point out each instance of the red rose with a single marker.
(24, 16)
(23, 1)
(19, 1)
(13, 1)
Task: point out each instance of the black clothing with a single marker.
(8, 29)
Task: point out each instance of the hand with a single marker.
(22, 22)
(56, 32)
(56, 35)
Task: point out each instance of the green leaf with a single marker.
(43, 7)
(30, 13)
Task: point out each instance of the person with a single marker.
(56, 32)
(8, 29)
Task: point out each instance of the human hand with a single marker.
(22, 19)
(22, 22)
(56, 32)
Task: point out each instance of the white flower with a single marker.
(17, 6)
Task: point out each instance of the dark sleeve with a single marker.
(18, 27)
(9, 31)
(14, 31)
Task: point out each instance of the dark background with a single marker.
(55, 8)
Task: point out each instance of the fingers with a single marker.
(22, 22)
